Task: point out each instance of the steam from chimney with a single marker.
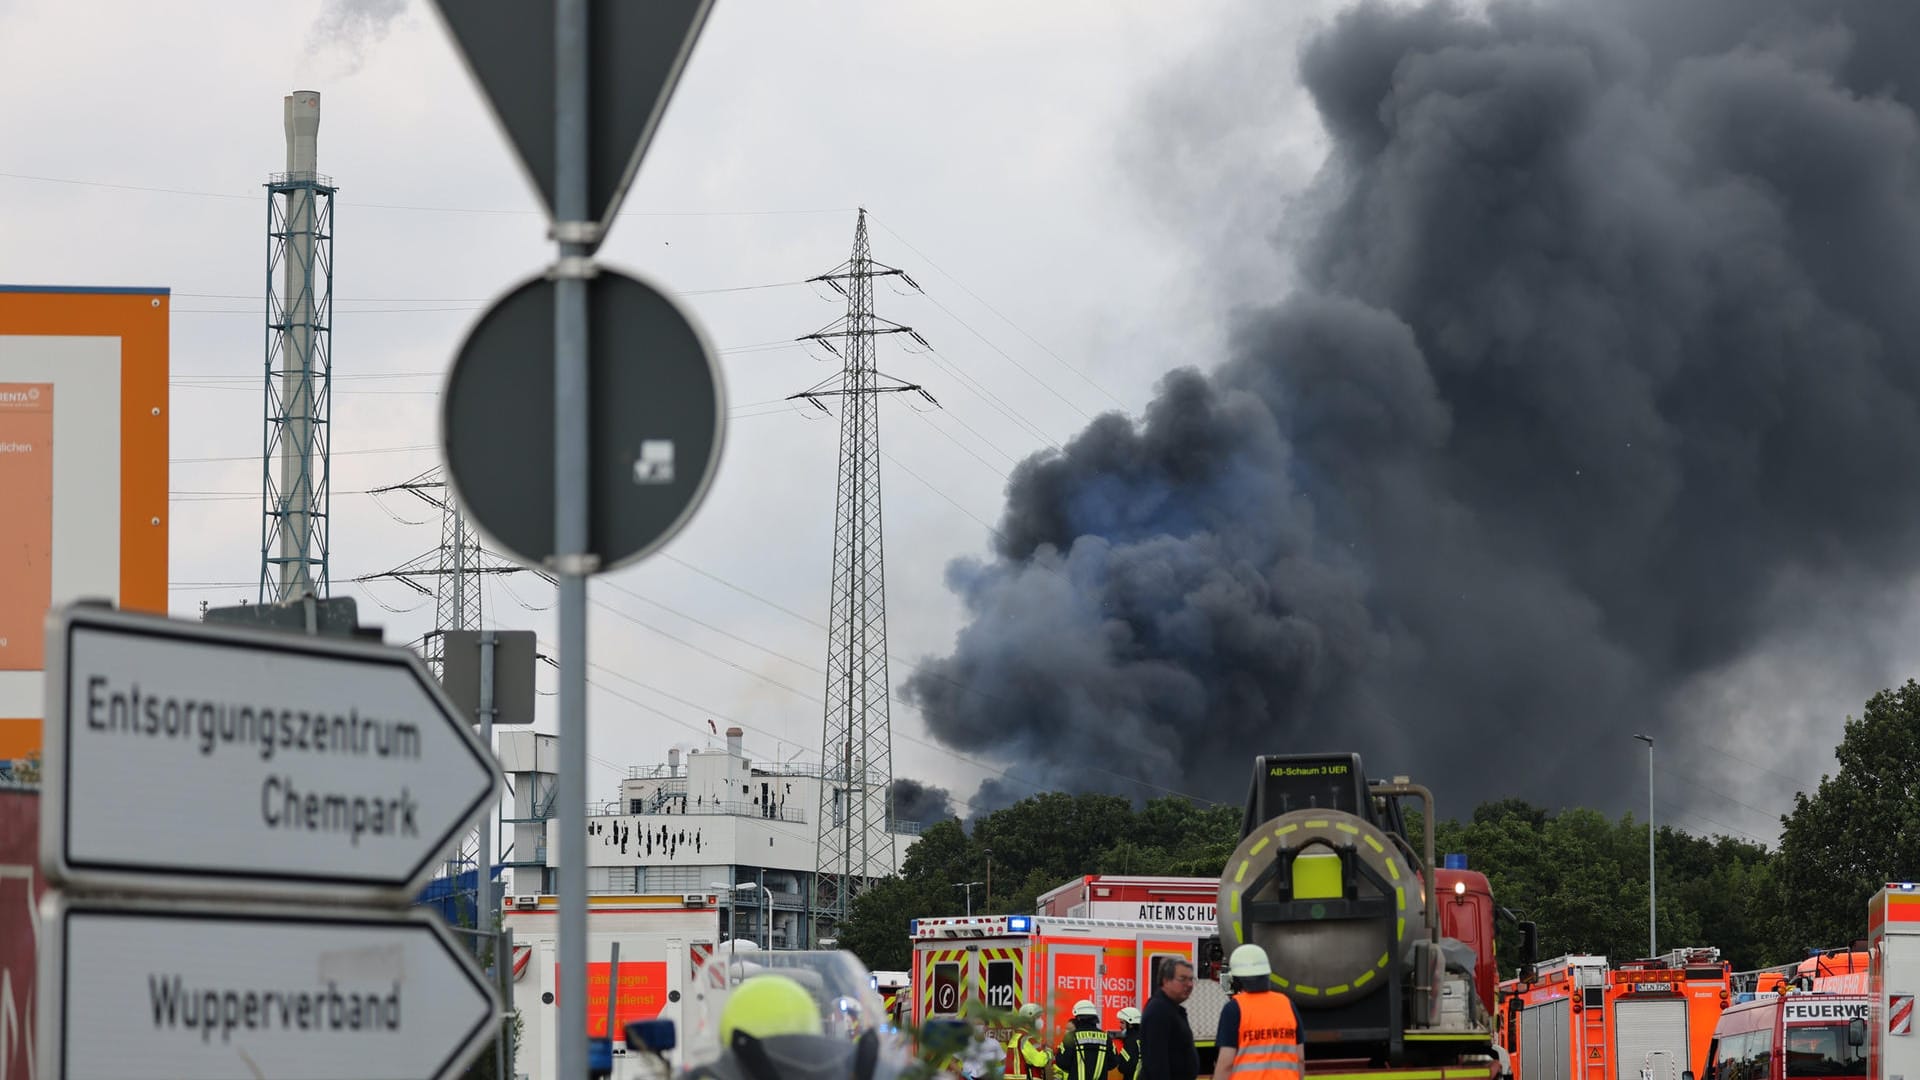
(348, 30)
(1601, 377)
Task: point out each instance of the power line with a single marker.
(418, 208)
(998, 313)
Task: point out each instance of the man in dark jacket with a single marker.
(1166, 1038)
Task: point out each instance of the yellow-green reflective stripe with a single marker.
(1363, 978)
(1400, 898)
(1393, 868)
(1346, 828)
(1310, 991)
(1410, 1074)
(1374, 844)
(1385, 959)
(1316, 824)
(1341, 989)
(1285, 829)
(1399, 928)
(1240, 875)
(1259, 846)
(1279, 981)
(1233, 903)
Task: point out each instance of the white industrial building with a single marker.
(695, 824)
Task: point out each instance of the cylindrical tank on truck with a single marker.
(1387, 957)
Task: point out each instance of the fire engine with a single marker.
(1795, 1035)
(1581, 1018)
(1133, 898)
(1006, 961)
(1386, 954)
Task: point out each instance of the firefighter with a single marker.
(1126, 1043)
(772, 1030)
(1258, 1035)
(1087, 1052)
(1030, 1057)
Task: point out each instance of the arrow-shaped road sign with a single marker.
(636, 50)
(139, 990)
(191, 758)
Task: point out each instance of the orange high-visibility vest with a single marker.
(1269, 1038)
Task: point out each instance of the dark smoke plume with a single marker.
(924, 803)
(1605, 337)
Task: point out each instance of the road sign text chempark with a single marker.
(191, 758)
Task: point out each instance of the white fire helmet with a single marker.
(1249, 962)
(1083, 1007)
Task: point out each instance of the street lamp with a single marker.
(989, 879)
(1653, 944)
(767, 918)
(968, 885)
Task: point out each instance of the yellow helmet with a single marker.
(767, 1005)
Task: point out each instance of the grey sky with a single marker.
(1015, 155)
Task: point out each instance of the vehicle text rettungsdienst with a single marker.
(270, 730)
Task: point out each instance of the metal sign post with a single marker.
(614, 65)
(572, 561)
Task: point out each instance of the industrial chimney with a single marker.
(299, 363)
(733, 741)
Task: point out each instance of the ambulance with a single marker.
(1893, 980)
(1006, 961)
(661, 938)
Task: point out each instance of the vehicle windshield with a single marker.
(1822, 1050)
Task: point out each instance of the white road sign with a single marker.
(198, 759)
(166, 991)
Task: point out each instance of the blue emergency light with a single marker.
(1019, 924)
(1454, 862)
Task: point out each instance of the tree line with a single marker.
(1578, 875)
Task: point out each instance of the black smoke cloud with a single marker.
(1603, 329)
(924, 803)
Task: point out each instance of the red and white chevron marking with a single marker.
(1900, 1014)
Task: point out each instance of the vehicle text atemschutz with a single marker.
(270, 728)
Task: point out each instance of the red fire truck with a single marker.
(1581, 1018)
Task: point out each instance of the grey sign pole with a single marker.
(613, 991)
(572, 562)
(484, 906)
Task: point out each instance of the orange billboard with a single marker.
(83, 471)
(26, 522)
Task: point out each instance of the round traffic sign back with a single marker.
(657, 419)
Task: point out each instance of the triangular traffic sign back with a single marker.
(636, 51)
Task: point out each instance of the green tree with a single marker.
(1860, 830)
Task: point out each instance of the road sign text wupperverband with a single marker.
(193, 759)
